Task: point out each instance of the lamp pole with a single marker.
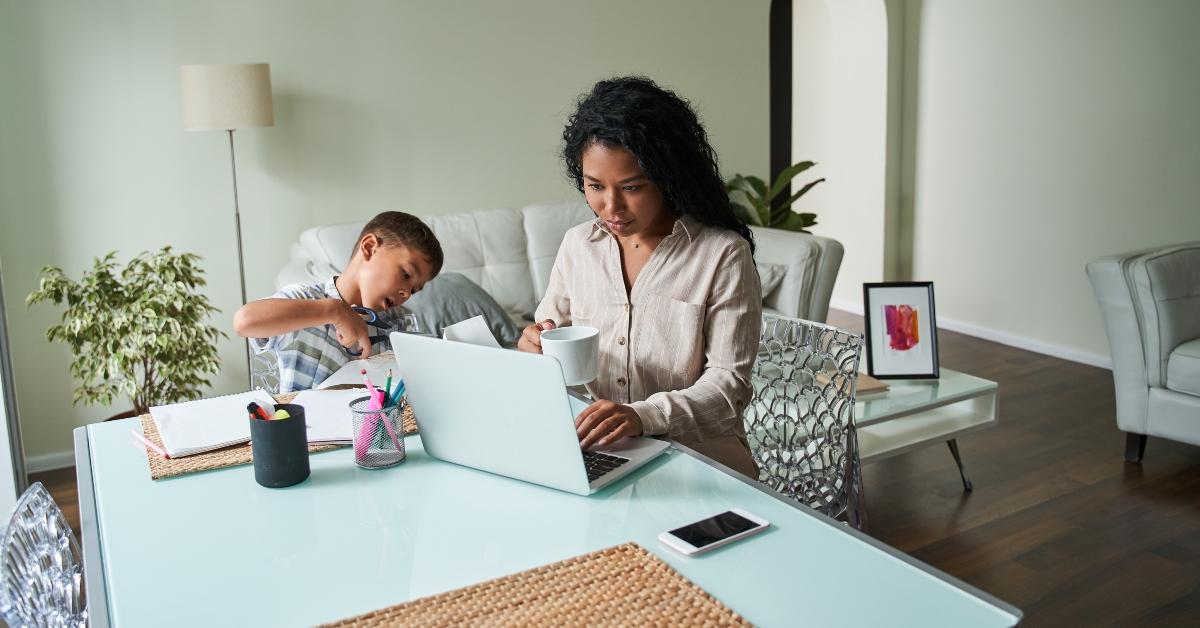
(237, 223)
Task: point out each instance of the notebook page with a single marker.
(327, 414)
(350, 373)
(192, 427)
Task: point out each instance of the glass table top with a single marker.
(908, 396)
(214, 547)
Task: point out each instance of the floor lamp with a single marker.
(227, 97)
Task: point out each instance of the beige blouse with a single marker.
(679, 349)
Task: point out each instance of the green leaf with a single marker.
(747, 214)
(795, 222)
(786, 175)
(801, 192)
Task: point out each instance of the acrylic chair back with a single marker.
(41, 570)
(800, 422)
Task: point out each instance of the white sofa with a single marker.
(509, 253)
(1150, 301)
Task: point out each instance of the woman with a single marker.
(665, 272)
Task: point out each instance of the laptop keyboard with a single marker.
(598, 464)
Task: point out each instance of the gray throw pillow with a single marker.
(451, 298)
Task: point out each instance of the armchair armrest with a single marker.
(812, 266)
(1108, 276)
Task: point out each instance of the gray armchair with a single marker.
(1150, 301)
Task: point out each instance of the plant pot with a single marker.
(124, 415)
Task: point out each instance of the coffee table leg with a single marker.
(953, 445)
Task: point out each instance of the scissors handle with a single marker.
(369, 315)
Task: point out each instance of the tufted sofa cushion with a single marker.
(509, 253)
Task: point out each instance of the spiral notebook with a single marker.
(194, 427)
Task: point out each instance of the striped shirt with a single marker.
(309, 355)
(679, 348)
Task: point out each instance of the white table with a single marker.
(916, 413)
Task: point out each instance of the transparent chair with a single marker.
(264, 372)
(41, 570)
(800, 422)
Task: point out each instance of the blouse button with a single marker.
(620, 381)
(621, 341)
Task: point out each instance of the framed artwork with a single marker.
(901, 330)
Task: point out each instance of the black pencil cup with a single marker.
(280, 448)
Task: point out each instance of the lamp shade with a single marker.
(226, 96)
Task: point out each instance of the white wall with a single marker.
(430, 107)
(1024, 138)
(1048, 134)
(839, 120)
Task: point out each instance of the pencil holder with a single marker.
(280, 448)
(378, 434)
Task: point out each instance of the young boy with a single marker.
(311, 327)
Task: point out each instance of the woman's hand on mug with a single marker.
(531, 336)
(604, 422)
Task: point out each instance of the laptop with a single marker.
(509, 413)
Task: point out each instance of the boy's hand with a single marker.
(531, 336)
(351, 329)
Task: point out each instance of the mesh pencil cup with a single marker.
(378, 434)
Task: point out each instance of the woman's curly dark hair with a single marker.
(665, 135)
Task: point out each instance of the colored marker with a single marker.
(257, 412)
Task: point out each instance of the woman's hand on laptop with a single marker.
(531, 336)
(605, 422)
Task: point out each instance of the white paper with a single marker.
(327, 414)
(351, 372)
(193, 427)
(473, 330)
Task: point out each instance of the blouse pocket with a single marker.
(674, 338)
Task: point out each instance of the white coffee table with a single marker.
(916, 413)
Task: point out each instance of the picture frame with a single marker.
(901, 325)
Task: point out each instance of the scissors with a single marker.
(375, 319)
(383, 321)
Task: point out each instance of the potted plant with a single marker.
(763, 206)
(136, 331)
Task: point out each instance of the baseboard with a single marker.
(49, 462)
(1004, 338)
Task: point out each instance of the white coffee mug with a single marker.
(577, 349)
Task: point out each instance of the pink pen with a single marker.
(371, 390)
(146, 441)
(366, 431)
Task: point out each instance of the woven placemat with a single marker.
(231, 456)
(623, 585)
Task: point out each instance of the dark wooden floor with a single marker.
(1058, 524)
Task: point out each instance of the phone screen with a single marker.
(713, 529)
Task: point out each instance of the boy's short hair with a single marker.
(401, 229)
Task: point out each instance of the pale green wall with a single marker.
(1048, 134)
(430, 107)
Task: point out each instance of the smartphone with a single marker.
(713, 532)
